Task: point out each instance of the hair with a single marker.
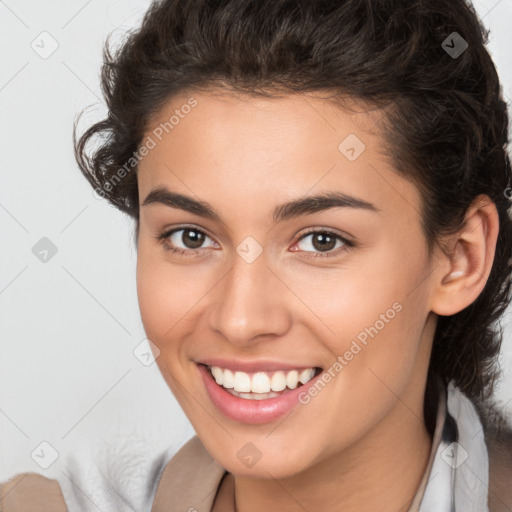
(445, 123)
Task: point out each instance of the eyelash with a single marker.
(162, 238)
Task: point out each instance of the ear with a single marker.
(463, 268)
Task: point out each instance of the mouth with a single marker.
(256, 397)
(261, 385)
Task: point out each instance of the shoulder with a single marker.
(26, 492)
(499, 445)
(191, 472)
(498, 438)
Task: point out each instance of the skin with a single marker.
(244, 156)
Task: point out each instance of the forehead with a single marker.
(240, 147)
(291, 117)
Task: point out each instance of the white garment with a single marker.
(459, 477)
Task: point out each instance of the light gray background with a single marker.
(68, 375)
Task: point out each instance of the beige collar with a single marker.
(189, 481)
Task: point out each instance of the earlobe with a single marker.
(464, 271)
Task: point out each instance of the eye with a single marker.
(323, 241)
(190, 238)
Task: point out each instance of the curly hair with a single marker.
(445, 124)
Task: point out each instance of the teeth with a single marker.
(253, 396)
(242, 382)
(258, 385)
(228, 380)
(292, 379)
(278, 381)
(306, 375)
(217, 375)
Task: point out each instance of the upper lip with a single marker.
(254, 366)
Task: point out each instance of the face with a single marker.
(229, 277)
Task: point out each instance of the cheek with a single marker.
(153, 301)
(167, 294)
(377, 365)
(371, 315)
(372, 332)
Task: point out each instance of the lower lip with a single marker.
(252, 411)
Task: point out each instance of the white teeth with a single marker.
(228, 380)
(253, 396)
(217, 375)
(306, 375)
(260, 385)
(278, 381)
(242, 382)
(292, 379)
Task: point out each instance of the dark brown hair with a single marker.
(445, 123)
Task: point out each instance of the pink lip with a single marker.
(251, 411)
(253, 366)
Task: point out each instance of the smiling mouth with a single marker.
(261, 385)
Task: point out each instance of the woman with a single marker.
(320, 196)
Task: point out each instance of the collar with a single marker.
(459, 476)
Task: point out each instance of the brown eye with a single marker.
(321, 244)
(185, 240)
(321, 241)
(192, 238)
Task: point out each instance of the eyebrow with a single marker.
(302, 206)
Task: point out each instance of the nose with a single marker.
(250, 302)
